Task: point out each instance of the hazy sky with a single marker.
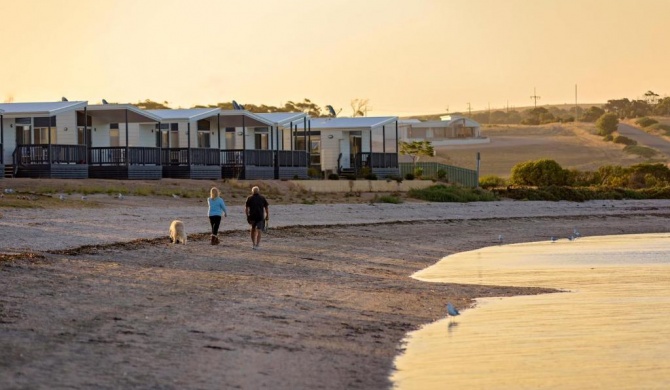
(406, 57)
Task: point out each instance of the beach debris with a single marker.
(9, 191)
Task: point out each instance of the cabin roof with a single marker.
(116, 113)
(40, 108)
(365, 122)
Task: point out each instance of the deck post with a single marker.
(86, 143)
(188, 135)
(275, 157)
(127, 149)
(2, 140)
(383, 146)
(396, 145)
(218, 131)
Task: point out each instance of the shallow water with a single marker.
(609, 329)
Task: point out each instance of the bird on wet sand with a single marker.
(452, 311)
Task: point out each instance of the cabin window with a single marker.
(114, 135)
(204, 140)
(230, 138)
(174, 135)
(315, 150)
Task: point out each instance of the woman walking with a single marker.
(217, 208)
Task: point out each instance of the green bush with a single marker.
(620, 139)
(645, 121)
(607, 123)
(313, 172)
(661, 127)
(333, 176)
(365, 171)
(370, 176)
(418, 172)
(641, 151)
(491, 181)
(542, 172)
(388, 199)
(442, 193)
(396, 178)
(409, 176)
(441, 173)
(608, 138)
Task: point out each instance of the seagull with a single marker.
(175, 196)
(61, 197)
(576, 233)
(500, 238)
(571, 238)
(83, 197)
(451, 310)
(553, 239)
(120, 196)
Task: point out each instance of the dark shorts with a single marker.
(256, 224)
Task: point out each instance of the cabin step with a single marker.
(9, 171)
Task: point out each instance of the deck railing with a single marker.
(197, 156)
(264, 158)
(116, 155)
(38, 154)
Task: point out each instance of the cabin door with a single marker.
(345, 161)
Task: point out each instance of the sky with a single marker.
(407, 57)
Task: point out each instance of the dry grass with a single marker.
(574, 145)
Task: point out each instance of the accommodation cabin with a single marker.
(42, 140)
(348, 145)
(122, 142)
(209, 143)
(451, 130)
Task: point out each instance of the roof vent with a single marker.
(237, 106)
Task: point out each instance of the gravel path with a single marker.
(40, 230)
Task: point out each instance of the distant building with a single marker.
(450, 130)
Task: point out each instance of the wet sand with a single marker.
(317, 307)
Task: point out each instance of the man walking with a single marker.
(257, 213)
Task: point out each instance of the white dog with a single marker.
(177, 232)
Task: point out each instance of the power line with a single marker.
(535, 97)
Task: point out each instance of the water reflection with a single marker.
(609, 329)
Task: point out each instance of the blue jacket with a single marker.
(216, 207)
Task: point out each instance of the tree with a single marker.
(592, 114)
(360, 107)
(151, 105)
(650, 97)
(415, 150)
(607, 124)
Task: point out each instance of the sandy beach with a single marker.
(98, 298)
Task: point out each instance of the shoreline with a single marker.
(318, 306)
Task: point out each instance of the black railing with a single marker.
(40, 154)
(264, 158)
(197, 156)
(375, 160)
(116, 155)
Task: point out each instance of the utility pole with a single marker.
(576, 105)
(535, 97)
(469, 110)
(489, 113)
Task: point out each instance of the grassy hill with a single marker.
(573, 145)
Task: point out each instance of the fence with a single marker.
(463, 176)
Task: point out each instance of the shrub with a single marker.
(441, 173)
(409, 176)
(607, 123)
(608, 138)
(646, 122)
(350, 177)
(641, 151)
(313, 172)
(333, 176)
(442, 193)
(388, 199)
(491, 181)
(661, 127)
(418, 172)
(396, 178)
(370, 176)
(620, 139)
(542, 172)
